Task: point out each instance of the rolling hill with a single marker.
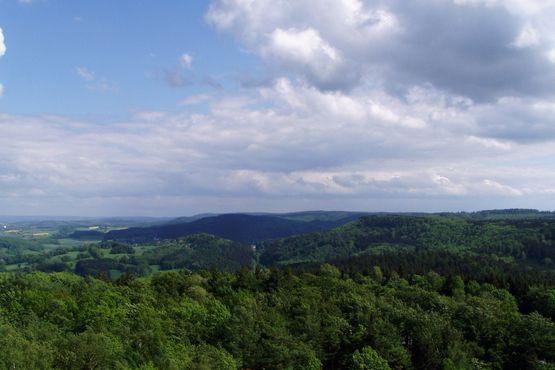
(236, 227)
(529, 238)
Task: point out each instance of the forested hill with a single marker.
(503, 214)
(237, 227)
(530, 239)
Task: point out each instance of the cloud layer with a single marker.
(311, 149)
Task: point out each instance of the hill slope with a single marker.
(529, 239)
(195, 252)
(236, 227)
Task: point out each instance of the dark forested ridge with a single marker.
(443, 291)
(237, 227)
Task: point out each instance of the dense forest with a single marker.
(270, 319)
(453, 291)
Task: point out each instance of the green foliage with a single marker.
(201, 252)
(267, 319)
(89, 350)
(19, 352)
(368, 359)
(206, 357)
(518, 239)
(542, 300)
(119, 248)
(9, 244)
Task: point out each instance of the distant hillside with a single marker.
(520, 238)
(508, 214)
(187, 219)
(236, 227)
(195, 252)
(16, 245)
(295, 216)
(58, 222)
(329, 216)
(87, 235)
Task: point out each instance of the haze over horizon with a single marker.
(173, 108)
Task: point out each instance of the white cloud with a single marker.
(501, 189)
(195, 99)
(150, 116)
(186, 60)
(93, 82)
(306, 51)
(307, 37)
(528, 37)
(2, 43)
(465, 47)
(2, 52)
(489, 143)
(85, 74)
(524, 7)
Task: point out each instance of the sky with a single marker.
(172, 107)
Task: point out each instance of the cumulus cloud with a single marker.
(306, 52)
(304, 36)
(480, 49)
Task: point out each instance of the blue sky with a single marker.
(128, 49)
(178, 107)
